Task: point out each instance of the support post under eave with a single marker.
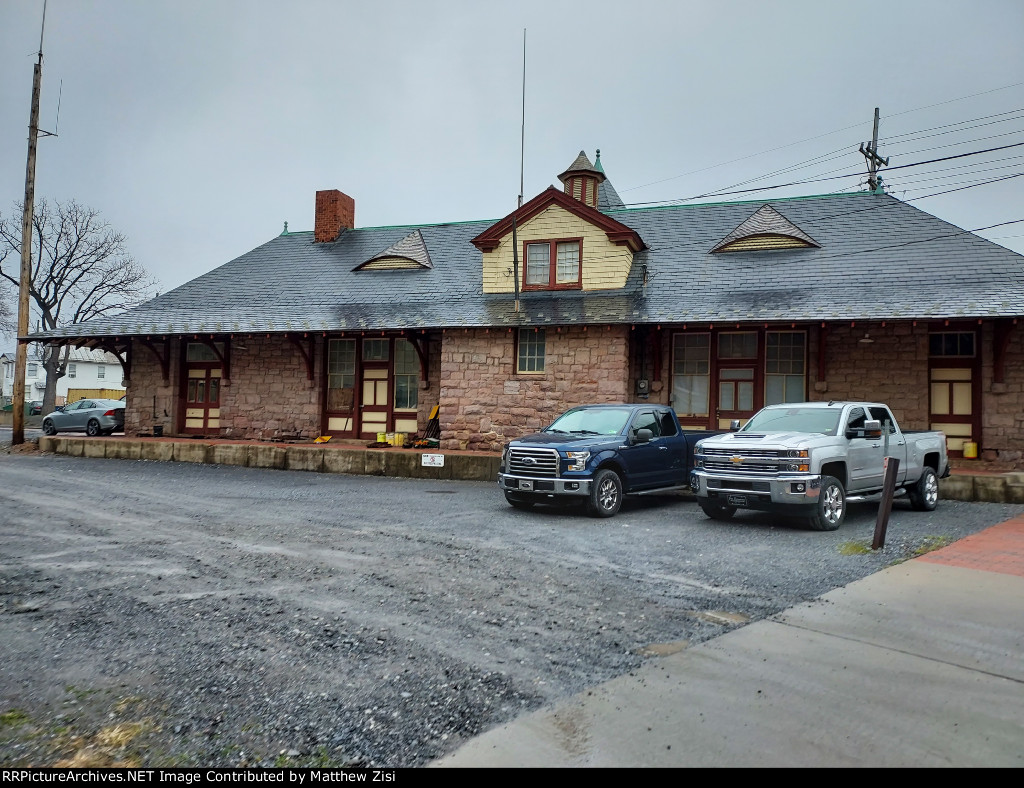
(125, 361)
(162, 356)
(306, 351)
(822, 346)
(1000, 343)
(424, 363)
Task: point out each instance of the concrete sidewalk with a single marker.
(919, 665)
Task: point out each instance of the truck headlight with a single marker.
(577, 460)
(504, 458)
(795, 466)
(798, 453)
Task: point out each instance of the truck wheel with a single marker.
(924, 495)
(717, 511)
(518, 503)
(830, 511)
(605, 494)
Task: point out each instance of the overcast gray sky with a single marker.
(197, 127)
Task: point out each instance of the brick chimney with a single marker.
(335, 211)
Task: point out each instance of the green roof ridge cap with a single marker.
(744, 202)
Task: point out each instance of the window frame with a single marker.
(538, 334)
(553, 283)
(342, 360)
(406, 371)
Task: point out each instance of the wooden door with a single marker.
(736, 394)
(375, 403)
(202, 399)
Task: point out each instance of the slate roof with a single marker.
(879, 259)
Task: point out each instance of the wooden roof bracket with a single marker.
(162, 356)
(1000, 342)
(126, 361)
(306, 350)
(424, 362)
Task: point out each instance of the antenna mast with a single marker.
(522, 128)
(522, 156)
(25, 281)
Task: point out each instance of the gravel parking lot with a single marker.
(168, 614)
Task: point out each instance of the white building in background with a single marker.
(87, 369)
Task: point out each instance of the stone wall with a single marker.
(1002, 435)
(149, 402)
(892, 368)
(485, 403)
(269, 395)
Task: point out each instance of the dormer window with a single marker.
(766, 229)
(552, 265)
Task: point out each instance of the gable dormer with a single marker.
(561, 243)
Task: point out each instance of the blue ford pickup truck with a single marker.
(596, 454)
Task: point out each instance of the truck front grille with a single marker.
(535, 463)
(745, 462)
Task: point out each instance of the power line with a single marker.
(819, 136)
(831, 178)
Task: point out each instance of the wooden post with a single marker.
(891, 467)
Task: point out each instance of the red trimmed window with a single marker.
(552, 265)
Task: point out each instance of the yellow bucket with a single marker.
(390, 438)
(970, 450)
(382, 437)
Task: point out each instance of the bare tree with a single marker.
(81, 270)
(8, 318)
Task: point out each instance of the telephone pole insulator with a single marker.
(869, 150)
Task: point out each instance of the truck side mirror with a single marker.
(642, 435)
(872, 428)
(734, 425)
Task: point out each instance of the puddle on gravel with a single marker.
(721, 617)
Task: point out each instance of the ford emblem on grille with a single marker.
(529, 461)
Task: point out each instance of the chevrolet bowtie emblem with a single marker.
(736, 459)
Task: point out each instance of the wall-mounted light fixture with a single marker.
(866, 339)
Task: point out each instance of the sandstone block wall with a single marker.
(485, 402)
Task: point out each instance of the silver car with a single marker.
(91, 416)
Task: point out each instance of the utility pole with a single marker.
(25, 282)
(870, 152)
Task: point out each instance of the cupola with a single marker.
(582, 179)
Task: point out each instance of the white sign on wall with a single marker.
(433, 460)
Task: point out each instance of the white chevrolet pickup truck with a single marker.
(805, 458)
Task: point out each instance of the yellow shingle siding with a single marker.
(605, 264)
(755, 243)
(390, 263)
